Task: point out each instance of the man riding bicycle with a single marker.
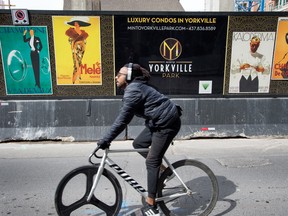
(162, 123)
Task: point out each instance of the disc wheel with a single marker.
(73, 190)
(201, 182)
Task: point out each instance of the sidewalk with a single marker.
(194, 147)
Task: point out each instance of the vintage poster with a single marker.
(26, 60)
(280, 62)
(77, 44)
(251, 61)
(178, 51)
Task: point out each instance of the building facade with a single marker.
(276, 5)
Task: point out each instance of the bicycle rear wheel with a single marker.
(199, 179)
(73, 190)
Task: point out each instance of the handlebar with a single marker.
(94, 154)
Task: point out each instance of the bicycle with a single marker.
(186, 187)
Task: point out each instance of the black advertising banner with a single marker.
(184, 54)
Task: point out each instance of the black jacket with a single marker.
(146, 102)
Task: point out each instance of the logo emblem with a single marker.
(170, 49)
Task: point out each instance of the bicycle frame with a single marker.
(120, 172)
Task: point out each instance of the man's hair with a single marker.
(138, 72)
(256, 39)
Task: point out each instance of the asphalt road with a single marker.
(252, 174)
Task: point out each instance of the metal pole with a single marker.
(250, 5)
(262, 6)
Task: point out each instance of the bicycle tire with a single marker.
(98, 203)
(200, 180)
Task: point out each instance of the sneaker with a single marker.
(162, 169)
(150, 210)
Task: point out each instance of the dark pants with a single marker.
(36, 66)
(159, 140)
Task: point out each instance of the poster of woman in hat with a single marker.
(77, 50)
(77, 40)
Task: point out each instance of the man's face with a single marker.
(121, 78)
(254, 45)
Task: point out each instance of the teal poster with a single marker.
(26, 60)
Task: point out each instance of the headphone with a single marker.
(129, 73)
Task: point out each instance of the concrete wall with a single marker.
(88, 120)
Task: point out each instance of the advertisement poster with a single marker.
(26, 60)
(280, 62)
(178, 51)
(77, 45)
(251, 61)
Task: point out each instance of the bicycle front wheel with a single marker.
(202, 183)
(73, 190)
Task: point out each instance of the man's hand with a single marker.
(103, 144)
(259, 69)
(244, 66)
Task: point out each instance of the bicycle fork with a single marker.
(98, 175)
